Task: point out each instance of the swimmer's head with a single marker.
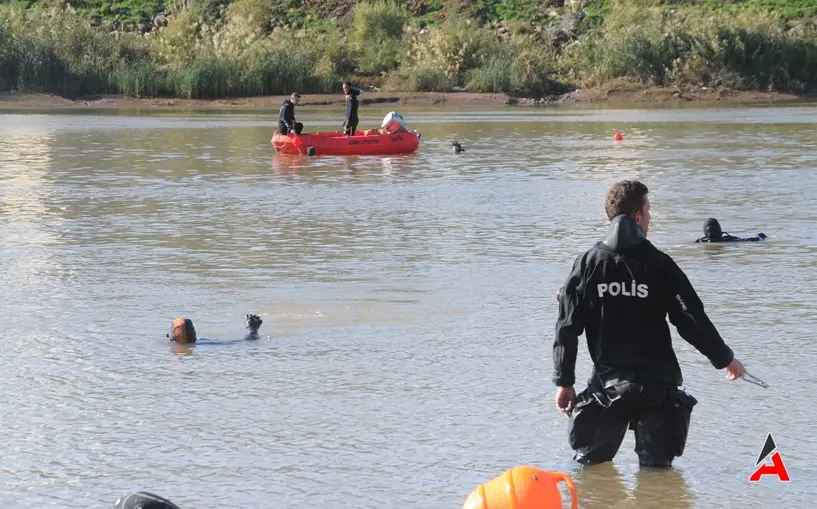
(253, 322)
(712, 230)
(182, 331)
(144, 500)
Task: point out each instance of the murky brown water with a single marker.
(407, 303)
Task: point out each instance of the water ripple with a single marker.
(407, 304)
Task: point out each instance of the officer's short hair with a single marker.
(626, 197)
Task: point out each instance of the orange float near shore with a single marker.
(370, 142)
(524, 487)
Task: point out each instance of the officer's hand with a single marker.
(735, 370)
(565, 398)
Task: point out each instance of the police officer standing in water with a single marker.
(619, 294)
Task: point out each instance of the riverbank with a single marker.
(620, 96)
(220, 60)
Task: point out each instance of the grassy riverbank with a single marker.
(610, 96)
(216, 49)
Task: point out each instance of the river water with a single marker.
(408, 304)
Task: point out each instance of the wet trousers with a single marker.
(283, 129)
(350, 127)
(658, 415)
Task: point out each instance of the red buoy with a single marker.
(618, 137)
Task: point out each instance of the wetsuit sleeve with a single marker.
(286, 115)
(686, 313)
(569, 326)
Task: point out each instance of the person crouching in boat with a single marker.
(286, 116)
(183, 331)
(351, 121)
(713, 233)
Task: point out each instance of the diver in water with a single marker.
(143, 500)
(183, 331)
(713, 233)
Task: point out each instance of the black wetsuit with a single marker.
(286, 117)
(251, 336)
(725, 237)
(144, 500)
(351, 121)
(619, 294)
(713, 233)
(252, 323)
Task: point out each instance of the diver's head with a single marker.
(712, 230)
(182, 331)
(143, 500)
(253, 322)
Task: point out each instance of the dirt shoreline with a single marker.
(601, 96)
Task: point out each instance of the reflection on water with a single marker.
(32, 220)
(407, 304)
(26, 154)
(605, 487)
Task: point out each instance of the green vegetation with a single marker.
(221, 48)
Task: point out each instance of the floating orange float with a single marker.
(524, 487)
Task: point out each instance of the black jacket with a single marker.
(286, 117)
(351, 106)
(619, 293)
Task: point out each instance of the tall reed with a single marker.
(651, 42)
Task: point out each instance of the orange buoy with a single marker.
(524, 487)
(618, 137)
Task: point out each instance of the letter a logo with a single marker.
(777, 467)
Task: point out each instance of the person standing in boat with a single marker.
(352, 102)
(286, 116)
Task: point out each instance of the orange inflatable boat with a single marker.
(370, 142)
